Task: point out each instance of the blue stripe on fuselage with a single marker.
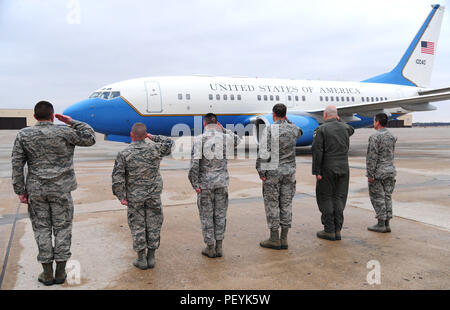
(116, 117)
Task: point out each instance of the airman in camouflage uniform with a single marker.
(48, 149)
(208, 175)
(330, 166)
(137, 183)
(381, 172)
(276, 167)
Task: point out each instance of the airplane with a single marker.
(161, 103)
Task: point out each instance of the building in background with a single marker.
(402, 121)
(16, 118)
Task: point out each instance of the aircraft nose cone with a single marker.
(81, 111)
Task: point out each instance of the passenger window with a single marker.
(115, 94)
(180, 97)
(342, 99)
(362, 99)
(296, 98)
(224, 97)
(372, 99)
(326, 98)
(231, 97)
(367, 99)
(238, 97)
(277, 98)
(385, 98)
(188, 96)
(265, 97)
(289, 98)
(337, 99)
(353, 99)
(217, 97)
(211, 97)
(331, 98)
(271, 97)
(259, 97)
(376, 99)
(321, 98)
(348, 99)
(304, 98)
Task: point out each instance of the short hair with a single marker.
(139, 130)
(279, 109)
(382, 118)
(210, 118)
(43, 110)
(331, 110)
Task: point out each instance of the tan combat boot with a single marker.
(326, 235)
(218, 248)
(46, 277)
(209, 251)
(388, 228)
(273, 242)
(283, 238)
(379, 227)
(151, 258)
(60, 273)
(141, 261)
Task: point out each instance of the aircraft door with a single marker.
(154, 103)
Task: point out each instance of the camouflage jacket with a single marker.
(330, 147)
(136, 174)
(209, 158)
(282, 136)
(380, 155)
(48, 149)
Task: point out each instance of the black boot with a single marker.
(141, 261)
(379, 227)
(60, 273)
(326, 235)
(46, 277)
(338, 235)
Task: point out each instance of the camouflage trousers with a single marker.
(212, 206)
(278, 192)
(145, 221)
(52, 216)
(380, 192)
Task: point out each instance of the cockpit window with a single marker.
(105, 95)
(95, 95)
(114, 94)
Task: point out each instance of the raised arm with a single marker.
(81, 135)
(165, 144)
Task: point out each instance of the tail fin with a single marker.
(416, 65)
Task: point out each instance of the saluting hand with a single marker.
(318, 177)
(63, 118)
(371, 180)
(263, 178)
(198, 190)
(124, 202)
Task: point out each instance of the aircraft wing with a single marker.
(413, 104)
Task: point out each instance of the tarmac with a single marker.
(416, 255)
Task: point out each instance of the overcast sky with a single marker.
(49, 51)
